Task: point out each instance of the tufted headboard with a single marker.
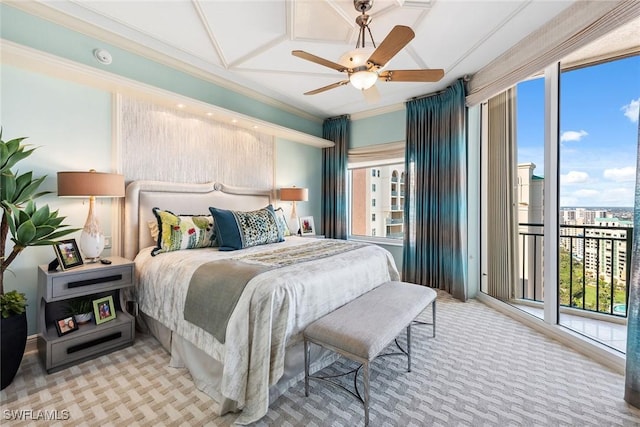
(188, 199)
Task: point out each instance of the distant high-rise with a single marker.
(377, 203)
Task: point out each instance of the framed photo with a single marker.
(66, 325)
(104, 310)
(306, 225)
(68, 253)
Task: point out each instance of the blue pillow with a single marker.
(238, 230)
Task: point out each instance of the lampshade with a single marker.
(91, 183)
(294, 194)
(361, 78)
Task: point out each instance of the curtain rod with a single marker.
(464, 78)
(338, 117)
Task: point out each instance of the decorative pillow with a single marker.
(153, 229)
(282, 222)
(238, 230)
(178, 232)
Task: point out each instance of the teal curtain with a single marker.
(334, 177)
(436, 196)
(632, 377)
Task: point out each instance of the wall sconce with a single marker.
(91, 184)
(294, 194)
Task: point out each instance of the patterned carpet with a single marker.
(482, 369)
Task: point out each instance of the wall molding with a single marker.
(378, 111)
(15, 54)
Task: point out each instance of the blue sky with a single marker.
(598, 132)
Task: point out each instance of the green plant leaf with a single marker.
(43, 231)
(39, 217)
(26, 233)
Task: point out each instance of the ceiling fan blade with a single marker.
(325, 88)
(398, 38)
(433, 75)
(371, 95)
(310, 57)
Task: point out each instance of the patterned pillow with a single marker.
(238, 230)
(178, 232)
(282, 222)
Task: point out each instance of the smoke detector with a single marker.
(103, 56)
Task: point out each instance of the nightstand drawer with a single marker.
(98, 342)
(84, 283)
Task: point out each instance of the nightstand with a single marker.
(92, 281)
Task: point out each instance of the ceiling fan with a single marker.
(364, 65)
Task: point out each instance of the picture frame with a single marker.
(307, 227)
(68, 254)
(104, 310)
(66, 325)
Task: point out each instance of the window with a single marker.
(597, 113)
(376, 209)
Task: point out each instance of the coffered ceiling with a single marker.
(246, 45)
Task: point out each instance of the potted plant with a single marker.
(81, 308)
(28, 226)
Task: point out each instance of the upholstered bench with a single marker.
(362, 328)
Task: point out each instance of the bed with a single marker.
(257, 354)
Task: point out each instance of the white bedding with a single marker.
(271, 314)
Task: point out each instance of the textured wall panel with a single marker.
(158, 143)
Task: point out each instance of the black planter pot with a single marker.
(13, 339)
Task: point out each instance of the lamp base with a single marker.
(91, 246)
(91, 238)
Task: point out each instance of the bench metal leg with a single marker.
(409, 348)
(306, 368)
(433, 313)
(433, 319)
(365, 377)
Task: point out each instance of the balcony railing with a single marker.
(594, 266)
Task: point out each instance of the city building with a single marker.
(377, 201)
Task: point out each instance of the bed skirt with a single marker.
(207, 372)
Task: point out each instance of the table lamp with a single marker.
(294, 194)
(91, 184)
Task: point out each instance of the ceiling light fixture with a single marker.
(362, 75)
(356, 60)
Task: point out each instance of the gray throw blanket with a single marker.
(216, 286)
(226, 279)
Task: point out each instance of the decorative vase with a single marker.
(13, 338)
(83, 318)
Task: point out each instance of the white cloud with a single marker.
(573, 135)
(568, 201)
(631, 110)
(574, 177)
(585, 193)
(620, 174)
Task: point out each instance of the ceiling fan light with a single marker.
(363, 80)
(356, 57)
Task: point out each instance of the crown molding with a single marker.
(14, 54)
(48, 13)
(378, 111)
